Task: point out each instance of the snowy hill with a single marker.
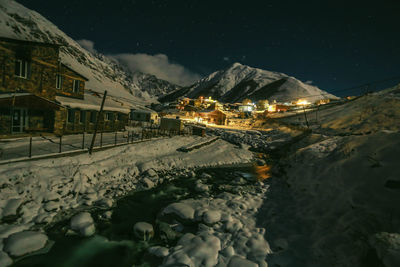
(18, 22)
(240, 81)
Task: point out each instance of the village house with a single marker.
(145, 116)
(38, 93)
(217, 117)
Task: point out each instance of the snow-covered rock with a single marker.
(11, 207)
(182, 210)
(22, 243)
(147, 183)
(5, 260)
(200, 250)
(83, 223)
(159, 251)
(212, 216)
(143, 230)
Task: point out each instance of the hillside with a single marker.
(18, 22)
(240, 81)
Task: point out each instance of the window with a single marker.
(76, 86)
(71, 115)
(59, 81)
(82, 116)
(109, 116)
(93, 116)
(22, 68)
(119, 117)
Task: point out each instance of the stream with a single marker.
(115, 244)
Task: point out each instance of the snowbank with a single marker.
(346, 189)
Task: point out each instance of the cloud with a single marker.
(87, 44)
(158, 65)
(226, 58)
(309, 82)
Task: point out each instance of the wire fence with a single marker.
(42, 145)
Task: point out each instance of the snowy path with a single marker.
(19, 147)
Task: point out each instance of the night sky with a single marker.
(334, 44)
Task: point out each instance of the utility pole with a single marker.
(305, 116)
(97, 122)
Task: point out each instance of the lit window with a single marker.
(22, 68)
(59, 81)
(76, 86)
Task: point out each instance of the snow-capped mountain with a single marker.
(240, 81)
(21, 23)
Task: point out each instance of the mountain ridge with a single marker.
(238, 81)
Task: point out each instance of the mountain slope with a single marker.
(239, 82)
(18, 22)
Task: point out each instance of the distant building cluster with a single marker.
(206, 110)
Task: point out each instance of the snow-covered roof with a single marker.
(145, 111)
(93, 102)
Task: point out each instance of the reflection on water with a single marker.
(262, 172)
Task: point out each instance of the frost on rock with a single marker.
(143, 230)
(83, 223)
(24, 242)
(182, 210)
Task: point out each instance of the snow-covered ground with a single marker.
(341, 189)
(40, 192)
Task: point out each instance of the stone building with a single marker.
(32, 78)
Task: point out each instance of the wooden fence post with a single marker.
(30, 147)
(83, 140)
(97, 122)
(59, 147)
(101, 139)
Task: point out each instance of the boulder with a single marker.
(143, 230)
(182, 210)
(211, 217)
(22, 243)
(83, 223)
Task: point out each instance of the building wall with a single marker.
(5, 120)
(44, 66)
(68, 77)
(116, 124)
